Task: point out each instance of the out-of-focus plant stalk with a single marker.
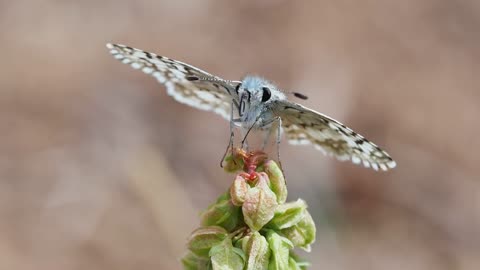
(251, 226)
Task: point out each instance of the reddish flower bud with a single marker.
(259, 205)
(239, 190)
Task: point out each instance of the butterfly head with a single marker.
(253, 93)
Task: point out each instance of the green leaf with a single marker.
(223, 214)
(289, 214)
(205, 238)
(192, 262)
(293, 265)
(226, 257)
(224, 197)
(257, 251)
(277, 181)
(245, 241)
(280, 248)
(301, 263)
(303, 233)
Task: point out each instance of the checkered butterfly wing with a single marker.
(185, 83)
(305, 126)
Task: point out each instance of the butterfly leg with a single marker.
(230, 142)
(244, 141)
(278, 122)
(267, 136)
(279, 137)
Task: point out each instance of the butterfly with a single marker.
(255, 103)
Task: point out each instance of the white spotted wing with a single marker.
(199, 89)
(305, 126)
(185, 83)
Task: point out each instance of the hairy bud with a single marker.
(251, 226)
(288, 214)
(239, 190)
(260, 204)
(303, 233)
(203, 239)
(192, 262)
(226, 256)
(277, 181)
(257, 251)
(223, 213)
(281, 250)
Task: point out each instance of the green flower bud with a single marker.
(245, 241)
(277, 180)
(280, 247)
(300, 263)
(292, 264)
(257, 251)
(224, 197)
(239, 190)
(192, 262)
(223, 213)
(233, 162)
(288, 214)
(250, 226)
(259, 205)
(201, 240)
(226, 257)
(303, 233)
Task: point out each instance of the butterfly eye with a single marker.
(266, 94)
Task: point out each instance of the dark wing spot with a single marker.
(342, 131)
(324, 121)
(300, 96)
(192, 78)
(360, 141)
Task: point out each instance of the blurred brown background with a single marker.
(100, 169)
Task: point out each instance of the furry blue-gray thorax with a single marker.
(254, 82)
(254, 94)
